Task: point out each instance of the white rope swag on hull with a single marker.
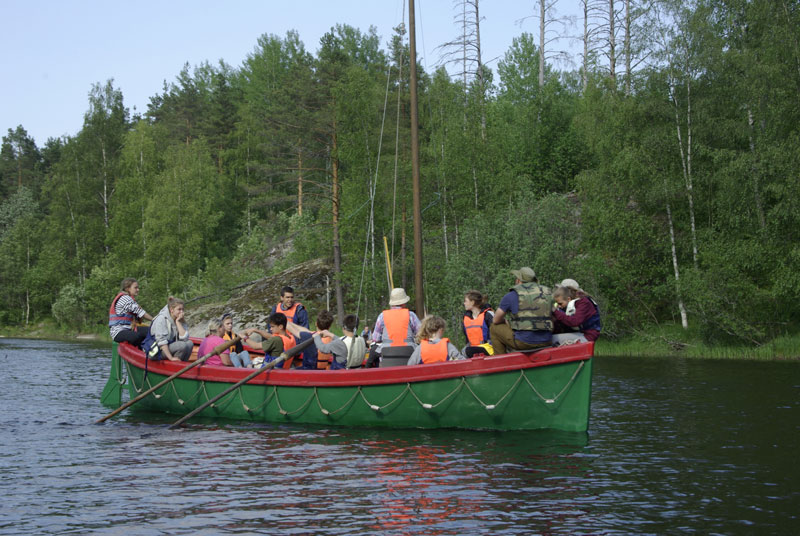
(314, 395)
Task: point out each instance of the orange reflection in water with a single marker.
(412, 492)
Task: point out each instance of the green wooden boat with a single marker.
(545, 389)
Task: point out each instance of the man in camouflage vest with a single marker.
(523, 321)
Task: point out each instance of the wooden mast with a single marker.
(418, 289)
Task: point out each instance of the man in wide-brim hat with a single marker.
(523, 320)
(396, 327)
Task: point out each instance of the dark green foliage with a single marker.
(293, 152)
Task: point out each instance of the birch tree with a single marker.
(104, 126)
(679, 46)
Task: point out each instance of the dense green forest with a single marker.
(661, 173)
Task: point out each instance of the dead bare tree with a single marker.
(591, 11)
(465, 49)
(548, 18)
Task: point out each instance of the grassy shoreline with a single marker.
(659, 344)
(664, 342)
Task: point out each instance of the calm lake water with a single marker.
(675, 446)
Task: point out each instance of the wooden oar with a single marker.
(218, 350)
(284, 355)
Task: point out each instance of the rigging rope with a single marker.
(373, 187)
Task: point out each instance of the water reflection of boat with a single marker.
(547, 389)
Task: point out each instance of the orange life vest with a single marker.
(433, 352)
(229, 337)
(288, 312)
(474, 328)
(395, 327)
(324, 360)
(288, 342)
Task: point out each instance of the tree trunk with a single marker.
(627, 46)
(686, 157)
(541, 41)
(142, 207)
(105, 195)
(755, 171)
(612, 41)
(479, 73)
(247, 178)
(78, 253)
(299, 179)
(681, 306)
(585, 73)
(27, 289)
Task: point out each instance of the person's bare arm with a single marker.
(296, 329)
(181, 326)
(249, 331)
(499, 317)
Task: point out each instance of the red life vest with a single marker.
(395, 326)
(433, 352)
(115, 319)
(324, 360)
(288, 312)
(474, 328)
(288, 342)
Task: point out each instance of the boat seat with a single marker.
(395, 356)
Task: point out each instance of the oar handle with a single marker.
(284, 355)
(216, 351)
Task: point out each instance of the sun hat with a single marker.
(570, 283)
(398, 297)
(524, 274)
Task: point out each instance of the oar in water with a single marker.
(285, 355)
(216, 351)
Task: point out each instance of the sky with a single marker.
(53, 51)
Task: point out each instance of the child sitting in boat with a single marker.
(433, 347)
(272, 342)
(356, 345)
(328, 350)
(239, 356)
(213, 339)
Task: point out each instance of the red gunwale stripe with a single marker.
(376, 376)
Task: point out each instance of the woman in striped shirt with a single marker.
(124, 311)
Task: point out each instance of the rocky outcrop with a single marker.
(251, 302)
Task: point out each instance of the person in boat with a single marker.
(272, 342)
(169, 334)
(330, 351)
(523, 321)
(214, 337)
(477, 324)
(293, 310)
(395, 327)
(433, 347)
(356, 345)
(239, 356)
(577, 316)
(365, 333)
(125, 312)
